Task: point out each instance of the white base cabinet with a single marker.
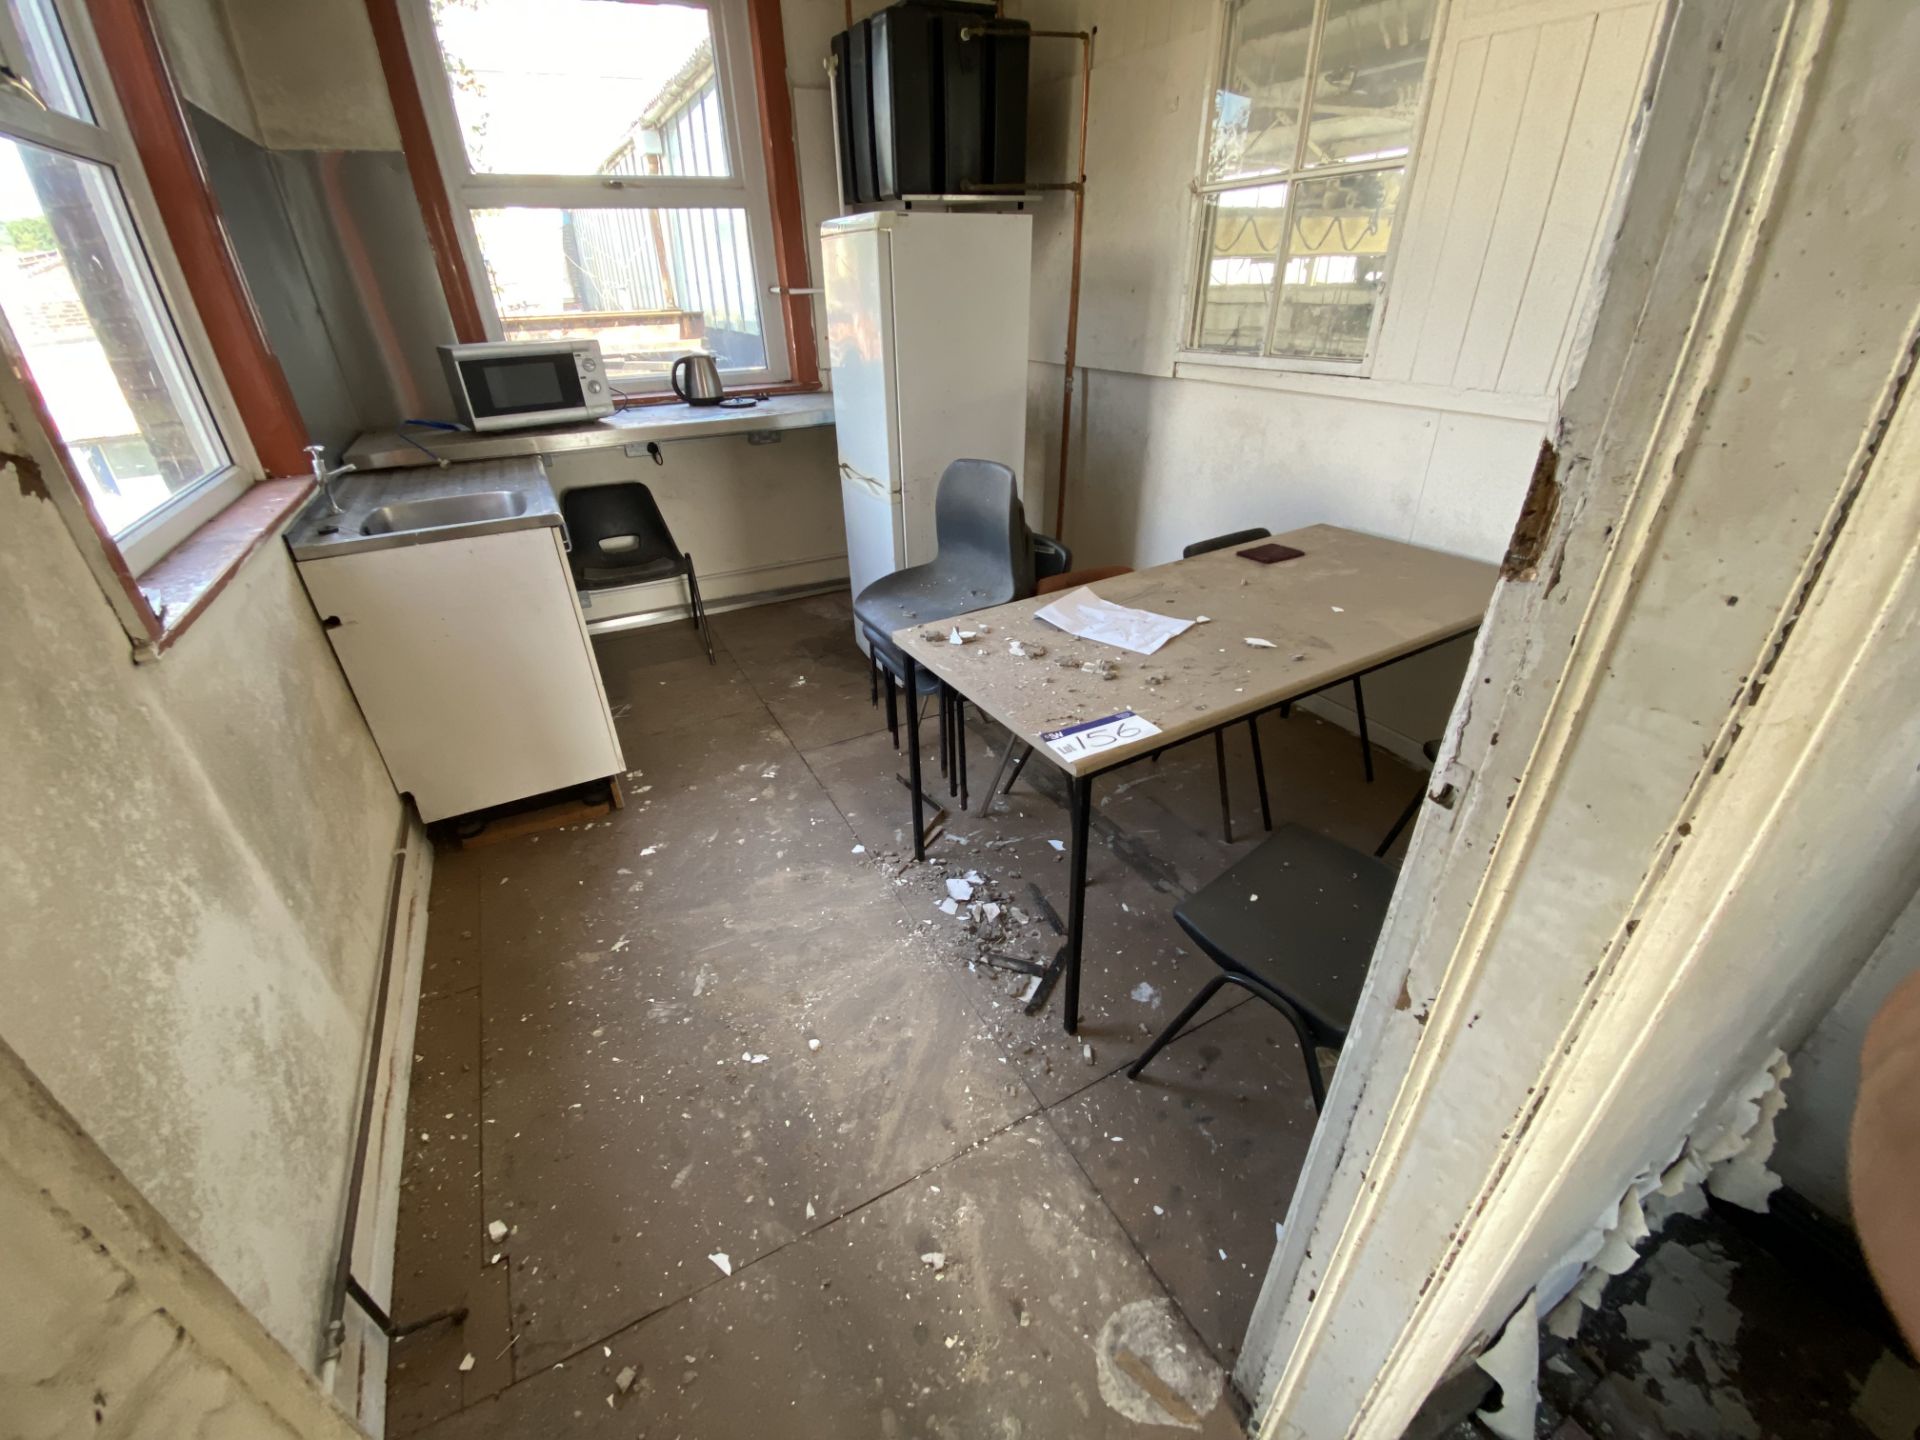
(471, 662)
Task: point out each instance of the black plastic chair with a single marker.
(1293, 922)
(1247, 537)
(619, 537)
(1050, 557)
(984, 558)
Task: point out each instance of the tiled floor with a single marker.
(714, 1026)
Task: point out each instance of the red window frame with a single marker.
(157, 608)
(769, 44)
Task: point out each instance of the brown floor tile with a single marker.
(1198, 1159)
(452, 960)
(673, 1108)
(439, 1256)
(850, 1332)
(659, 679)
(601, 996)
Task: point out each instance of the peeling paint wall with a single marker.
(1702, 817)
(84, 1350)
(194, 881)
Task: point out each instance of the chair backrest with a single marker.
(597, 513)
(1221, 542)
(981, 527)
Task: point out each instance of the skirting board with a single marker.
(664, 600)
(357, 1379)
(677, 615)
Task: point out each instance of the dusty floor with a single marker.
(713, 1026)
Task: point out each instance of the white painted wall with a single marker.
(1825, 1083)
(1512, 175)
(195, 882)
(755, 518)
(112, 1325)
(206, 66)
(313, 72)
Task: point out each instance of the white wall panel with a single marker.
(1570, 237)
(1539, 143)
(1467, 211)
(1531, 109)
(1476, 476)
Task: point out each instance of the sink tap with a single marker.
(323, 477)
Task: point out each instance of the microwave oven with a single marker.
(514, 383)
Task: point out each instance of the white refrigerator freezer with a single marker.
(927, 339)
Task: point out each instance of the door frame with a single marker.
(1649, 760)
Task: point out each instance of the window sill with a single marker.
(1260, 373)
(179, 587)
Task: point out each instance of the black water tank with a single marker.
(923, 112)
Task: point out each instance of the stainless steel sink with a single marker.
(405, 516)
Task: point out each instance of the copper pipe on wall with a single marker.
(1078, 186)
(1073, 285)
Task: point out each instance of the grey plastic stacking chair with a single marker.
(984, 558)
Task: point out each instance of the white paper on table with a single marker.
(1083, 613)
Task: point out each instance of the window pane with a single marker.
(583, 87)
(86, 314)
(1243, 230)
(1336, 264)
(649, 285)
(48, 63)
(1256, 118)
(1372, 56)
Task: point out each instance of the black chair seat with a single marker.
(1294, 923)
(664, 567)
(618, 536)
(1301, 913)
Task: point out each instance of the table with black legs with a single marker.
(1347, 605)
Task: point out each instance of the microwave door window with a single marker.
(524, 385)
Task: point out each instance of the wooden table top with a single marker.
(1348, 603)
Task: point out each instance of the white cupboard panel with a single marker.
(472, 665)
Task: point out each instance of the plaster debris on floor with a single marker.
(759, 1102)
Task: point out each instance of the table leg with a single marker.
(1360, 714)
(911, 684)
(960, 741)
(946, 741)
(1080, 806)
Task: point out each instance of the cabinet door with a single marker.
(470, 662)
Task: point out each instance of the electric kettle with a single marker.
(702, 385)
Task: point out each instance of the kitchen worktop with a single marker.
(388, 449)
(318, 533)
